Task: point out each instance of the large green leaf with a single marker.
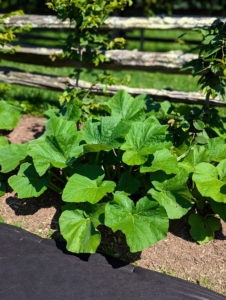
(173, 195)
(3, 141)
(210, 180)
(27, 183)
(70, 111)
(128, 184)
(195, 156)
(143, 225)
(11, 156)
(79, 228)
(127, 108)
(203, 228)
(221, 168)
(165, 106)
(217, 149)
(80, 188)
(57, 126)
(163, 160)
(59, 147)
(104, 135)
(143, 139)
(9, 116)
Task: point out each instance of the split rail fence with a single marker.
(167, 62)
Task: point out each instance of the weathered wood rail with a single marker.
(167, 62)
(57, 83)
(123, 23)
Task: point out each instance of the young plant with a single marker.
(86, 42)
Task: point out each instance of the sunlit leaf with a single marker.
(79, 228)
(173, 195)
(143, 225)
(27, 183)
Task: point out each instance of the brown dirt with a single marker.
(177, 255)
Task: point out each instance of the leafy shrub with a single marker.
(211, 62)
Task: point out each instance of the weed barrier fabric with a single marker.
(41, 269)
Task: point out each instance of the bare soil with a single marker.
(177, 255)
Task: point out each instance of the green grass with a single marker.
(60, 35)
(178, 44)
(36, 101)
(139, 79)
(33, 101)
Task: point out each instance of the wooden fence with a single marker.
(166, 62)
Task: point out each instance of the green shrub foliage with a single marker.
(211, 62)
(86, 16)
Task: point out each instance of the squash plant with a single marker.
(126, 170)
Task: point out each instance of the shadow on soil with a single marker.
(112, 243)
(24, 207)
(181, 229)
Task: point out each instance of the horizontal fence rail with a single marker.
(123, 23)
(167, 62)
(56, 83)
(26, 36)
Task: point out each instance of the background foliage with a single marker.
(140, 7)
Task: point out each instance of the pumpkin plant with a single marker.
(122, 171)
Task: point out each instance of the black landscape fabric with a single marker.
(34, 268)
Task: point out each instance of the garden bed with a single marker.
(177, 255)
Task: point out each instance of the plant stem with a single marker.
(79, 67)
(57, 177)
(107, 172)
(54, 187)
(97, 157)
(207, 101)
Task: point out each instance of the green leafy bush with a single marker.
(211, 62)
(86, 43)
(127, 170)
